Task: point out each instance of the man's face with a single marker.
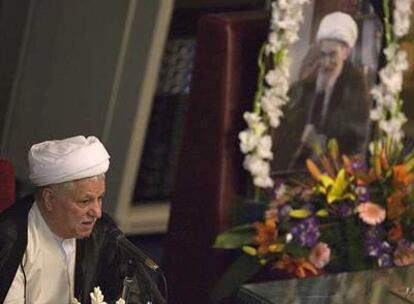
(75, 209)
(332, 55)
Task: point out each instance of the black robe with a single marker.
(99, 261)
(347, 118)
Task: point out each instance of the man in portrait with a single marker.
(330, 100)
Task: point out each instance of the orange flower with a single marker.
(384, 160)
(313, 169)
(300, 267)
(347, 165)
(395, 233)
(395, 205)
(366, 179)
(401, 176)
(266, 235)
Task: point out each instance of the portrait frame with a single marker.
(364, 56)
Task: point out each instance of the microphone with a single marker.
(130, 248)
(128, 281)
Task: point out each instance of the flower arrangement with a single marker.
(345, 215)
(346, 212)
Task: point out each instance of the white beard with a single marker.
(324, 84)
(326, 81)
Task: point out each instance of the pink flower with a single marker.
(320, 255)
(404, 254)
(371, 213)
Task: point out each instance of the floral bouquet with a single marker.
(346, 212)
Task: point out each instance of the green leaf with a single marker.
(235, 237)
(244, 268)
(294, 250)
(409, 161)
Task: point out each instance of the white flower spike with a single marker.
(256, 141)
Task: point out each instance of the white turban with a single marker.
(338, 26)
(58, 161)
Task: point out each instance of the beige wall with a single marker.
(88, 67)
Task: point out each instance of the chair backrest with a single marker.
(210, 174)
(7, 184)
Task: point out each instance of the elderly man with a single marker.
(60, 245)
(330, 101)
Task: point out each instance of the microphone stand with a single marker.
(137, 256)
(128, 281)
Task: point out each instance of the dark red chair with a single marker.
(210, 176)
(7, 184)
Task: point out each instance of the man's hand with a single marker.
(311, 137)
(309, 133)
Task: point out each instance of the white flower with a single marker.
(280, 192)
(392, 80)
(403, 5)
(393, 126)
(377, 114)
(402, 15)
(387, 111)
(251, 118)
(401, 61)
(263, 181)
(275, 44)
(255, 141)
(97, 296)
(390, 51)
(264, 148)
(260, 128)
(376, 93)
(288, 24)
(274, 77)
(283, 4)
(248, 141)
(275, 97)
(256, 165)
(291, 37)
(274, 118)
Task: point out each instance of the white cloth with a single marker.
(49, 266)
(58, 161)
(338, 26)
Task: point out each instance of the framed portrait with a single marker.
(330, 97)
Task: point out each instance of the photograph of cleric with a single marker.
(58, 245)
(330, 100)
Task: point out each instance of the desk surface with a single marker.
(381, 286)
